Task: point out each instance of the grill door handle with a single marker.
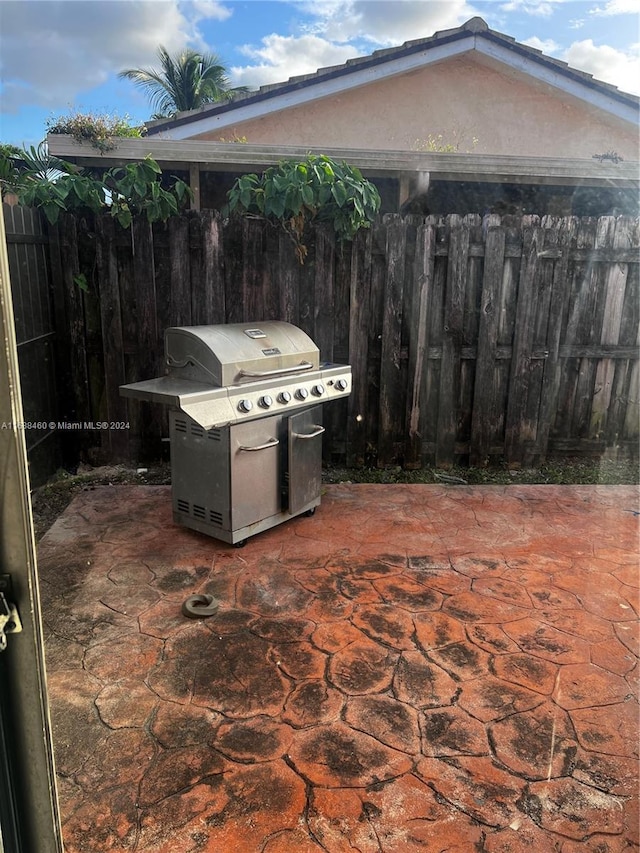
(271, 443)
(318, 431)
(279, 371)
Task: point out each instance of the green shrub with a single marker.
(317, 189)
(53, 185)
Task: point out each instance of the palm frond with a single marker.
(184, 82)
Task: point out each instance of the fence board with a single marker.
(288, 281)
(419, 343)
(391, 410)
(116, 440)
(180, 272)
(486, 391)
(615, 285)
(448, 410)
(359, 314)
(519, 431)
(324, 308)
(561, 233)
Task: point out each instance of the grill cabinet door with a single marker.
(305, 457)
(255, 483)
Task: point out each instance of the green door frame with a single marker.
(29, 816)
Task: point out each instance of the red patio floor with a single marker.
(415, 668)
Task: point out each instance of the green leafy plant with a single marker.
(136, 188)
(97, 129)
(53, 185)
(297, 193)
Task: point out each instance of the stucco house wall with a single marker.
(468, 101)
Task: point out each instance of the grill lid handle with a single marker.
(279, 371)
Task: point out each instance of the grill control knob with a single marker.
(284, 397)
(318, 390)
(245, 405)
(266, 401)
(341, 384)
(302, 393)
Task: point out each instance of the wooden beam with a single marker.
(194, 183)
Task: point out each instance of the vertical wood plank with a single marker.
(452, 341)
(162, 266)
(289, 281)
(63, 353)
(517, 427)
(625, 401)
(112, 338)
(149, 335)
(378, 276)
(617, 236)
(579, 276)
(196, 269)
(324, 310)
(359, 318)
(392, 410)
(563, 232)
(75, 314)
(306, 290)
(234, 253)
(486, 394)
(271, 275)
(179, 272)
(253, 308)
(419, 343)
(213, 278)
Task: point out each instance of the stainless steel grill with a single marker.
(245, 424)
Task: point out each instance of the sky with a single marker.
(63, 56)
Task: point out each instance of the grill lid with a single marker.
(236, 352)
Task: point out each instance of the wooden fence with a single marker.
(470, 339)
(35, 323)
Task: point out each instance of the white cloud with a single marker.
(51, 52)
(541, 8)
(386, 22)
(618, 7)
(281, 57)
(342, 29)
(548, 46)
(620, 68)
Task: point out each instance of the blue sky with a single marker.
(58, 56)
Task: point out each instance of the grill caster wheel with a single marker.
(310, 512)
(240, 544)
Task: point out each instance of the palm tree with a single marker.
(186, 81)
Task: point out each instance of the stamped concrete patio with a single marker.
(415, 668)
